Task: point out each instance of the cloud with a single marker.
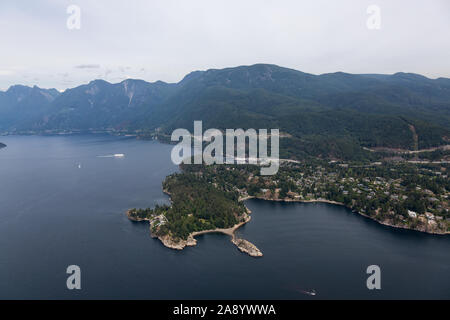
(88, 66)
(172, 38)
(6, 72)
(124, 68)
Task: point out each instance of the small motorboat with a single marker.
(309, 292)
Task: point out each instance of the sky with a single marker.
(166, 39)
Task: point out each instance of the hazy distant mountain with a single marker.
(101, 104)
(330, 115)
(98, 104)
(22, 104)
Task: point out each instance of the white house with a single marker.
(412, 214)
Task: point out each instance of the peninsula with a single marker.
(198, 207)
(207, 199)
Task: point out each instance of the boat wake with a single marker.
(116, 155)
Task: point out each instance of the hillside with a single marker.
(327, 115)
(96, 105)
(331, 115)
(23, 106)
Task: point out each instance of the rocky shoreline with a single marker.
(387, 222)
(179, 244)
(134, 219)
(248, 247)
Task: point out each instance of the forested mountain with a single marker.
(97, 105)
(329, 115)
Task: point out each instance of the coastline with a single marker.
(385, 223)
(138, 136)
(243, 245)
(246, 246)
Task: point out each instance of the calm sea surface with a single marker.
(63, 202)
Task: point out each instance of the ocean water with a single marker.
(63, 201)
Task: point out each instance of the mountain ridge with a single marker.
(340, 111)
(244, 66)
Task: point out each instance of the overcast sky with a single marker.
(164, 40)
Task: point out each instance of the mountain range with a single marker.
(329, 115)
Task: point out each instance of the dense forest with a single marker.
(197, 204)
(402, 194)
